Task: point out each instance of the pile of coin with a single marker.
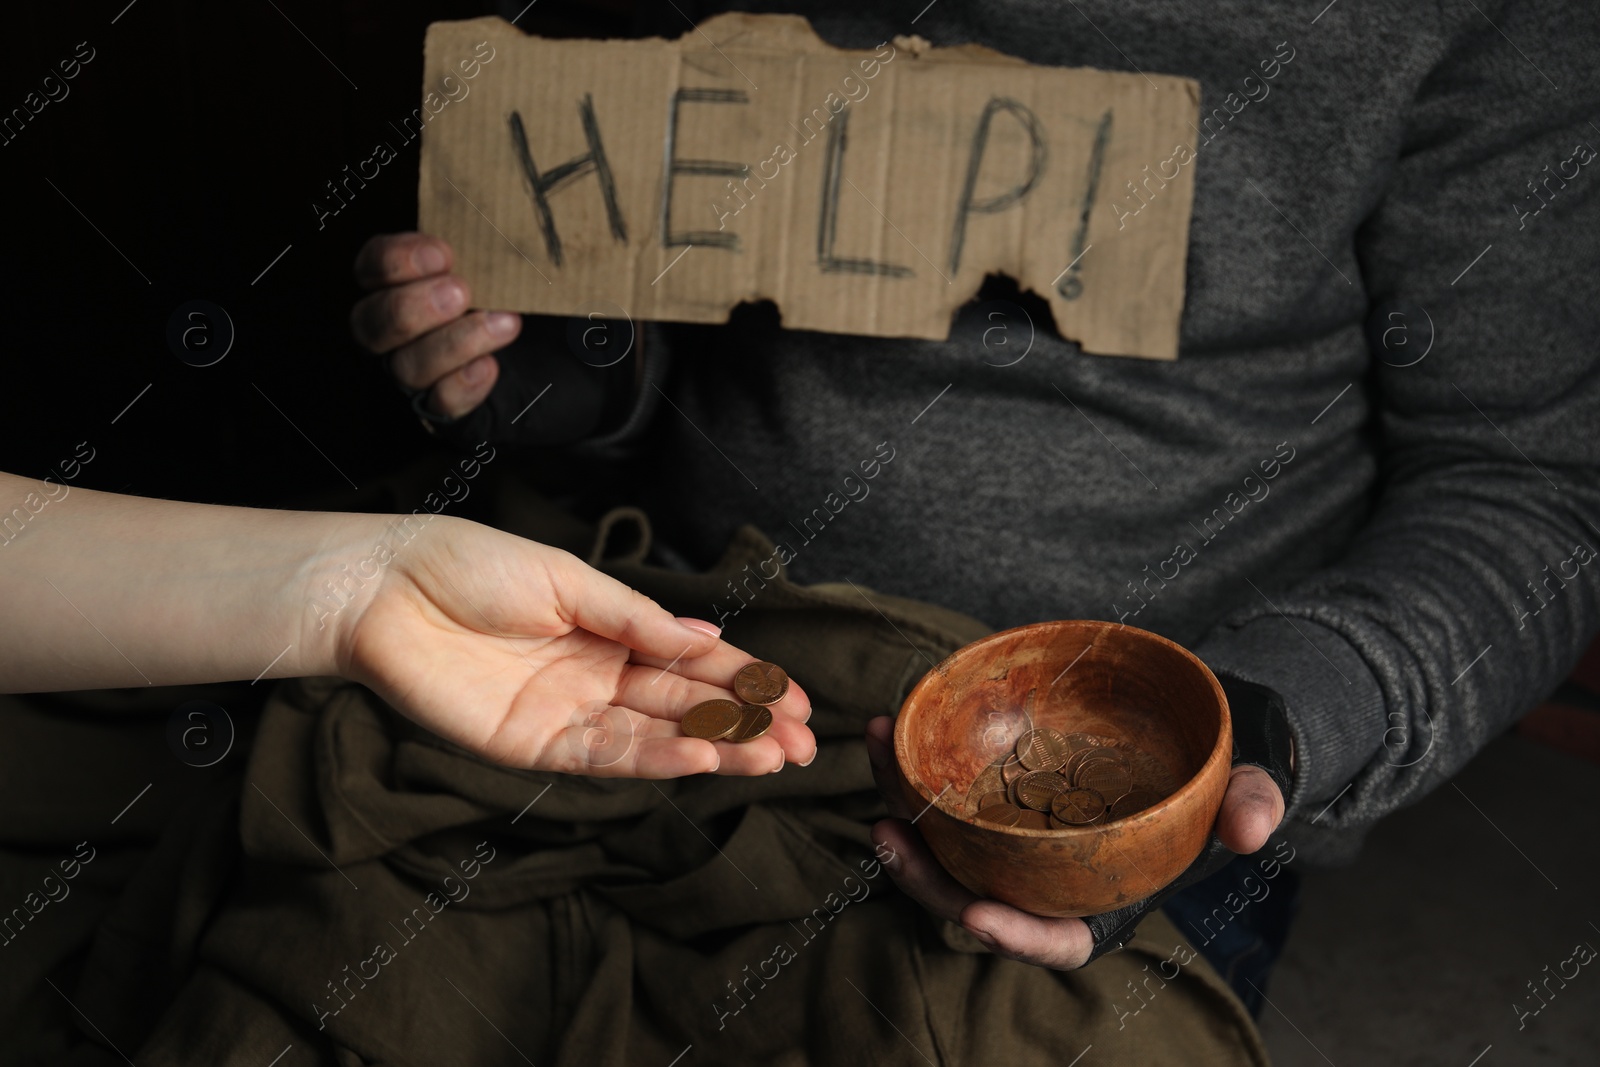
(758, 684)
(1058, 781)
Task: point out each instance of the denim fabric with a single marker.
(1241, 944)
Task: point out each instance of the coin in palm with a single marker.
(761, 683)
(711, 720)
(754, 720)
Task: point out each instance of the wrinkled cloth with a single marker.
(364, 892)
(1372, 459)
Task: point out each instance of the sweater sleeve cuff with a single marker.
(1333, 703)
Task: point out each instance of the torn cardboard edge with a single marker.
(862, 191)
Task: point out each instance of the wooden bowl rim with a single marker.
(1221, 752)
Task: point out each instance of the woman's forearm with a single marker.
(104, 591)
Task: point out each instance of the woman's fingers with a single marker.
(764, 755)
(794, 742)
(669, 696)
(616, 742)
(719, 665)
(677, 757)
(1063, 944)
(604, 606)
(668, 757)
(396, 258)
(610, 741)
(594, 602)
(664, 694)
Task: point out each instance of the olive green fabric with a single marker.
(395, 900)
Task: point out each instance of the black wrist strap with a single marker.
(1261, 737)
(1261, 734)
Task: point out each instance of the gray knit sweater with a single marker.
(1402, 545)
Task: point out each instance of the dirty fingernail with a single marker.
(449, 296)
(429, 259)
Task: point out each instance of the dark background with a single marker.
(195, 142)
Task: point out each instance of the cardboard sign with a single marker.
(864, 192)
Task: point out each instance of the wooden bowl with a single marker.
(1072, 675)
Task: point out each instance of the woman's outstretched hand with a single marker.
(529, 657)
(514, 650)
